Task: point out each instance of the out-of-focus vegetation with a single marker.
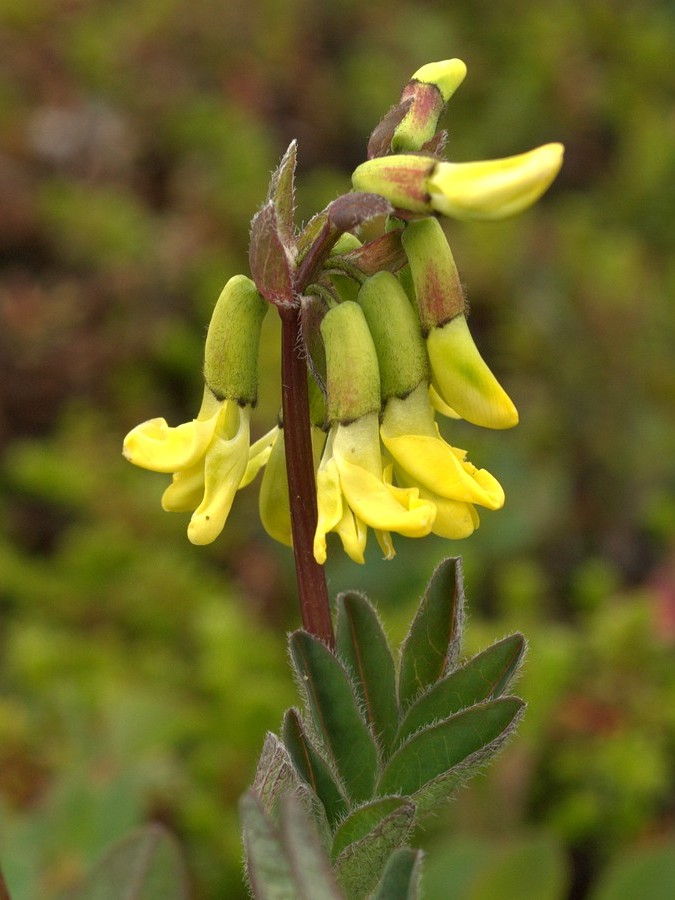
(139, 673)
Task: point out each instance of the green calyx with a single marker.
(395, 329)
(352, 374)
(401, 179)
(438, 290)
(231, 351)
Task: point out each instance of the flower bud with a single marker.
(395, 330)
(231, 352)
(352, 374)
(429, 89)
(438, 290)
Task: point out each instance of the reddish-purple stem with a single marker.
(312, 588)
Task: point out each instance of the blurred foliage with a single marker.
(139, 673)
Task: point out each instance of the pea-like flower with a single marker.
(353, 491)
(420, 457)
(211, 457)
(423, 459)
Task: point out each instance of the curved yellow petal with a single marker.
(186, 490)
(258, 455)
(432, 464)
(463, 380)
(495, 188)
(329, 506)
(411, 436)
(353, 533)
(439, 404)
(386, 543)
(273, 507)
(156, 446)
(224, 467)
(383, 506)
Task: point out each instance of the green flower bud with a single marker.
(430, 88)
(352, 374)
(395, 330)
(231, 352)
(402, 179)
(438, 290)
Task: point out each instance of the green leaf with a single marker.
(481, 678)
(275, 776)
(310, 865)
(436, 750)
(313, 768)
(432, 645)
(648, 874)
(146, 865)
(336, 715)
(359, 866)
(282, 192)
(363, 820)
(401, 877)
(267, 865)
(285, 863)
(362, 644)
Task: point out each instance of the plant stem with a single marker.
(312, 588)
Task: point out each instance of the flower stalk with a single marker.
(311, 578)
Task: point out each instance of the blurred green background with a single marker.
(139, 673)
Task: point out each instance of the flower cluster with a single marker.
(386, 340)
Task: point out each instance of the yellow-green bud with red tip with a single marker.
(428, 91)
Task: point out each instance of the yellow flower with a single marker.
(353, 493)
(442, 473)
(210, 457)
(273, 505)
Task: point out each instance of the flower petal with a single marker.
(186, 490)
(432, 464)
(258, 455)
(273, 505)
(156, 446)
(496, 188)
(383, 506)
(329, 506)
(224, 467)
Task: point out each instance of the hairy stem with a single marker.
(312, 588)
